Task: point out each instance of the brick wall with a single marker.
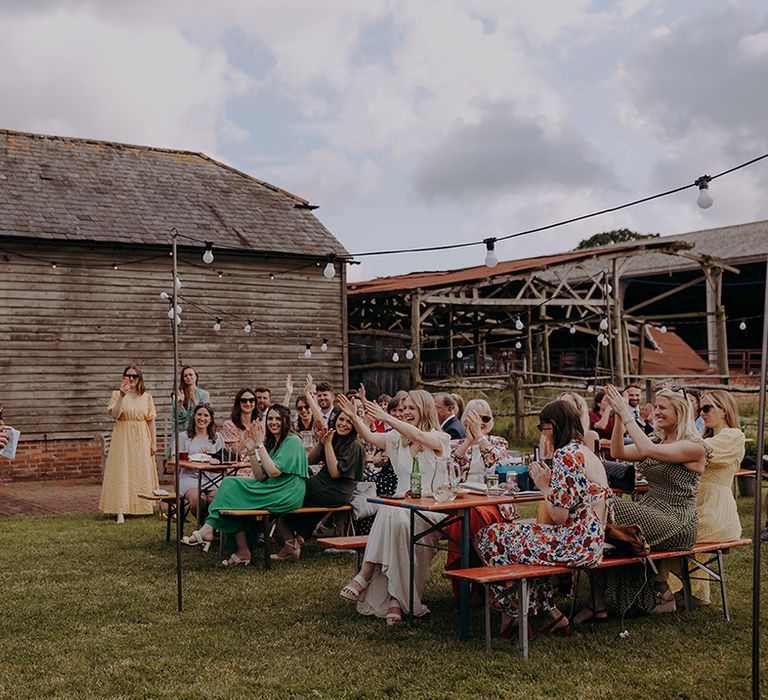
(53, 459)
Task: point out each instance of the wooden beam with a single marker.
(666, 294)
(416, 338)
(463, 301)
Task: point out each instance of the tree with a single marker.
(621, 235)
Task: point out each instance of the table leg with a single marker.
(411, 562)
(464, 593)
(199, 498)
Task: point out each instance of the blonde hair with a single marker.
(685, 429)
(581, 406)
(727, 404)
(482, 407)
(427, 413)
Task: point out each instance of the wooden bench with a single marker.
(170, 501)
(515, 577)
(357, 544)
(261, 517)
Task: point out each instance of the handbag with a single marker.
(625, 541)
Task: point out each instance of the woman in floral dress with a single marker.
(574, 491)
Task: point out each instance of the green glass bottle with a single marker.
(415, 479)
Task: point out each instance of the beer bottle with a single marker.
(415, 479)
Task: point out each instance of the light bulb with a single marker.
(590, 388)
(53, 266)
(395, 357)
(248, 327)
(743, 326)
(178, 309)
(217, 325)
(606, 342)
(324, 346)
(330, 271)
(459, 354)
(221, 274)
(601, 337)
(490, 257)
(572, 330)
(170, 313)
(603, 324)
(178, 320)
(663, 329)
(208, 254)
(409, 354)
(178, 283)
(608, 288)
(518, 345)
(704, 200)
(308, 351)
(164, 296)
(519, 325)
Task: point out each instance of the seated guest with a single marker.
(199, 437)
(445, 405)
(264, 397)
(574, 491)
(643, 416)
(240, 419)
(601, 418)
(477, 453)
(188, 396)
(715, 504)
(591, 438)
(324, 396)
(672, 459)
(303, 419)
(280, 473)
(382, 585)
(342, 455)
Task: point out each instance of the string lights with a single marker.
(217, 325)
(490, 257)
(330, 268)
(324, 345)
(208, 254)
(308, 351)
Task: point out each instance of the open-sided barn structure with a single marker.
(542, 316)
(84, 255)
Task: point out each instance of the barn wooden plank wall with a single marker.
(67, 333)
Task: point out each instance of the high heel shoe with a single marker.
(394, 613)
(234, 560)
(198, 540)
(291, 549)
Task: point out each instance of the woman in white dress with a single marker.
(382, 585)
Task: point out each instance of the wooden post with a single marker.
(618, 335)
(519, 408)
(529, 350)
(416, 380)
(451, 365)
(344, 330)
(641, 349)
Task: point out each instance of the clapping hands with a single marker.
(474, 426)
(617, 402)
(541, 475)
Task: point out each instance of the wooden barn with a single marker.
(85, 241)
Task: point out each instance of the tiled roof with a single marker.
(97, 191)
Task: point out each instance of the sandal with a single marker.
(595, 615)
(198, 540)
(234, 560)
(291, 550)
(394, 614)
(350, 592)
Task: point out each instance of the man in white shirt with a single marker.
(643, 417)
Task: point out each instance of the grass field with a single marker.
(89, 610)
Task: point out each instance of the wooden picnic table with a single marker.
(221, 470)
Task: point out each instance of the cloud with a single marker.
(502, 153)
(74, 73)
(709, 70)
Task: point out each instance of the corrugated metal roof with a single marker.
(426, 280)
(84, 190)
(673, 356)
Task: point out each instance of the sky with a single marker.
(420, 122)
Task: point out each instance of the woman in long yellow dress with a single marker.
(130, 468)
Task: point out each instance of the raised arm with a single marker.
(314, 408)
(691, 454)
(433, 439)
(288, 390)
(348, 409)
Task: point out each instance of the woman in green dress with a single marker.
(188, 395)
(280, 471)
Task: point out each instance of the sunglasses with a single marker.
(486, 419)
(131, 376)
(302, 408)
(679, 389)
(706, 408)
(243, 400)
(541, 427)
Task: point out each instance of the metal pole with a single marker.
(611, 359)
(175, 404)
(758, 494)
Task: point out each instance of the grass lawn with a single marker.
(89, 610)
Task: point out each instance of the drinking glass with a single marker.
(443, 485)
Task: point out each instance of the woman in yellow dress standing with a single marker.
(130, 468)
